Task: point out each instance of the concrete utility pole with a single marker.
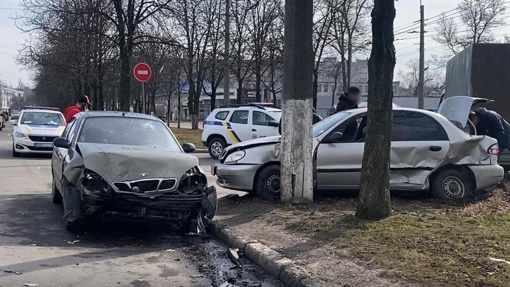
(421, 79)
(226, 77)
(297, 144)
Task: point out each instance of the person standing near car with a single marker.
(348, 100)
(491, 124)
(81, 105)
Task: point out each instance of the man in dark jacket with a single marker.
(348, 100)
(491, 124)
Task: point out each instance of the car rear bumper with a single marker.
(487, 175)
(236, 177)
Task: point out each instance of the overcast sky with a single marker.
(408, 11)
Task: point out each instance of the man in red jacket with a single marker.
(81, 105)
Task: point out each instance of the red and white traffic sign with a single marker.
(142, 72)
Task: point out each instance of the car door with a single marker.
(238, 128)
(339, 160)
(418, 145)
(59, 154)
(260, 125)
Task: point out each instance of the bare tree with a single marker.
(241, 51)
(375, 185)
(433, 79)
(478, 17)
(273, 71)
(194, 25)
(262, 17)
(324, 15)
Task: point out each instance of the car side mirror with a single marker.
(61, 142)
(188, 147)
(273, 124)
(336, 137)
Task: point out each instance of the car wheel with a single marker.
(215, 147)
(451, 184)
(268, 183)
(14, 152)
(56, 197)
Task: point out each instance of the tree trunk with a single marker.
(239, 90)
(349, 61)
(213, 97)
(315, 86)
(296, 145)
(95, 97)
(125, 81)
(258, 83)
(179, 108)
(374, 188)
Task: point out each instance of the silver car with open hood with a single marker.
(428, 152)
(125, 164)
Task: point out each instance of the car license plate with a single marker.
(213, 170)
(44, 145)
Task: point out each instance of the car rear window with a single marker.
(414, 126)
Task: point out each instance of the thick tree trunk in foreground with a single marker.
(297, 154)
(375, 190)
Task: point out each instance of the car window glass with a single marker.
(72, 132)
(68, 128)
(222, 115)
(42, 118)
(354, 129)
(127, 131)
(415, 126)
(239, 117)
(261, 119)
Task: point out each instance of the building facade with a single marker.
(7, 95)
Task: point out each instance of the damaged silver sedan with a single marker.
(428, 152)
(124, 164)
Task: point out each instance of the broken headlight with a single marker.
(234, 157)
(193, 181)
(95, 183)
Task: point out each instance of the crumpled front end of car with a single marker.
(186, 201)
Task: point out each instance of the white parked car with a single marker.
(428, 152)
(237, 123)
(35, 131)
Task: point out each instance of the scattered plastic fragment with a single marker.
(31, 284)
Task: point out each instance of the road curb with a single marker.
(266, 258)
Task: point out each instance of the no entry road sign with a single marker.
(142, 72)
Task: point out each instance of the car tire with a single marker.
(77, 224)
(451, 184)
(267, 183)
(56, 197)
(14, 152)
(215, 147)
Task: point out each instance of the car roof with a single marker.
(96, 114)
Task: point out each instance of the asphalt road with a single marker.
(35, 247)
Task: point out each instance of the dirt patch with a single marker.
(423, 243)
(189, 136)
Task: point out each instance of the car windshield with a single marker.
(320, 127)
(127, 131)
(42, 118)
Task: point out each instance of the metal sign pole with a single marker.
(144, 108)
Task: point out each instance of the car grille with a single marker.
(41, 139)
(146, 185)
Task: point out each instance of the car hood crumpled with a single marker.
(123, 162)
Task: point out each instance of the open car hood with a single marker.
(456, 109)
(123, 162)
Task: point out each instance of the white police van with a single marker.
(35, 131)
(236, 123)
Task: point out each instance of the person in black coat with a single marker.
(348, 100)
(491, 124)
